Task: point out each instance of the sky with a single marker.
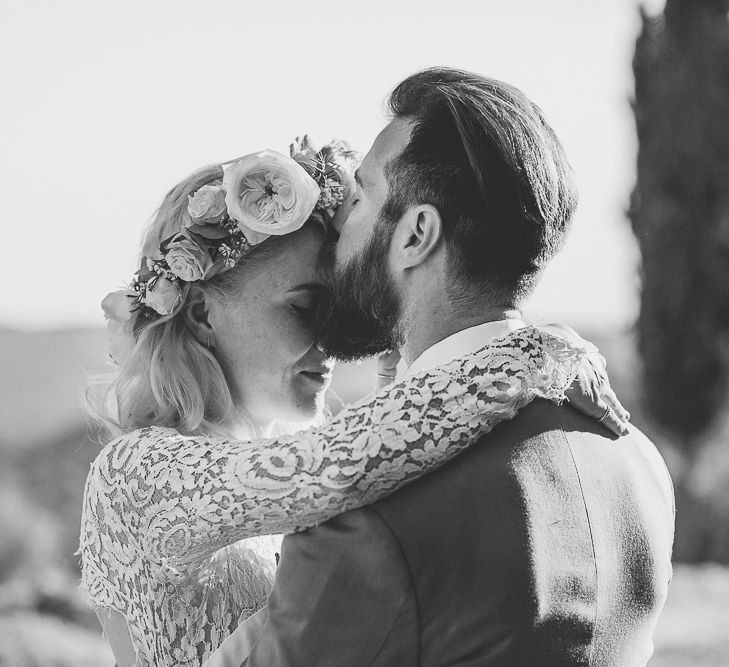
(106, 105)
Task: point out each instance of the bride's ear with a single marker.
(195, 314)
(419, 233)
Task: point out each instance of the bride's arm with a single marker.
(188, 496)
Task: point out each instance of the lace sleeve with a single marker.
(185, 497)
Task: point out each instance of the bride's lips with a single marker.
(320, 374)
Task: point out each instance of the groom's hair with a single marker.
(485, 157)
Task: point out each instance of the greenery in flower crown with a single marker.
(332, 167)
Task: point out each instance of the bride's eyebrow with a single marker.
(307, 287)
(358, 179)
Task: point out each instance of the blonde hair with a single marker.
(170, 378)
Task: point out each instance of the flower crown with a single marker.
(260, 195)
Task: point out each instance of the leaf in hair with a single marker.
(208, 231)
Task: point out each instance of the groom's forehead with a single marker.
(388, 144)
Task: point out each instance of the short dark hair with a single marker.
(483, 154)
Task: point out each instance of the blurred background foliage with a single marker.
(671, 370)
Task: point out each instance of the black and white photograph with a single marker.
(389, 334)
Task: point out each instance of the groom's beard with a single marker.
(362, 315)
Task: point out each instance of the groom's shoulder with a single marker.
(544, 421)
(544, 434)
(524, 478)
(542, 446)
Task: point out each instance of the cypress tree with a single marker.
(680, 213)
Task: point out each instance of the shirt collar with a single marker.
(461, 343)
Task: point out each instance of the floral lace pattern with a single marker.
(166, 516)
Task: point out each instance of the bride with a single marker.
(218, 368)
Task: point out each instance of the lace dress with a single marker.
(166, 516)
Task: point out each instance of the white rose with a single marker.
(120, 320)
(117, 306)
(120, 339)
(187, 260)
(163, 296)
(269, 193)
(207, 204)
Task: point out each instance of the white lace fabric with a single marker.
(167, 518)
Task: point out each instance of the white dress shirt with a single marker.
(462, 342)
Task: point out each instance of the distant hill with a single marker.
(42, 375)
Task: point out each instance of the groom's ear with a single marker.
(195, 314)
(419, 233)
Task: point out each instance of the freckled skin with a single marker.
(265, 333)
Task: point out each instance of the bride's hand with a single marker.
(386, 369)
(591, 392)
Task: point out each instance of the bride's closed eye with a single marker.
(305, 301)
(306, 312)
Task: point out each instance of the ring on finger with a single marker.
(608, 410)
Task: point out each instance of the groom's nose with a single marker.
(340, 217)
(338, 223)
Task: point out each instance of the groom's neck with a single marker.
(428, 324)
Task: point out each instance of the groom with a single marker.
(547, 544)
